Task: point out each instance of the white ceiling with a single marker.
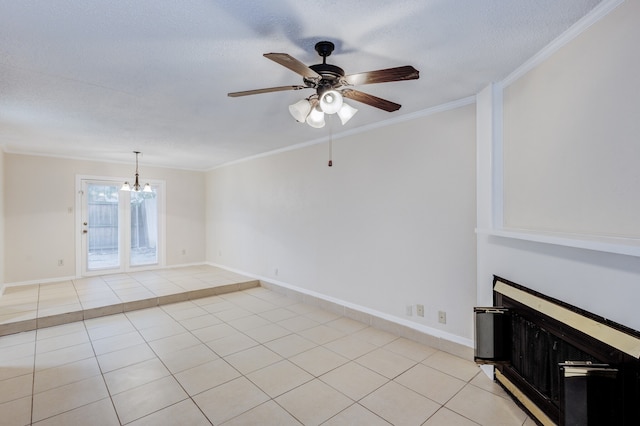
(97, 79)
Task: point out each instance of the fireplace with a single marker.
(564, 365)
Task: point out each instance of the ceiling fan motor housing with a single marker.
(331, 74)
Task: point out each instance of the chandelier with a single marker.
(136, 185)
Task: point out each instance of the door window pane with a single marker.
(144, 228)
(102, 227)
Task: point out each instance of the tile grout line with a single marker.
(170, 372)
(315, 377)
(35, 357)
(271, 399)
(95, 355)
(155, 353)
(242, 374)
(240, 304)
(219, 357)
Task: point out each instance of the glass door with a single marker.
(119, 229)
(143, 215)
(101, 220)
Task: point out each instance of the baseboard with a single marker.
(40, 281)
(438, 339)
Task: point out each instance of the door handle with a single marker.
(84, 231)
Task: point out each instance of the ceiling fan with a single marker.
(332, 85)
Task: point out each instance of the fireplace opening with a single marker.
(562, 364)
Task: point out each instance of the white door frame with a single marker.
(125, 266)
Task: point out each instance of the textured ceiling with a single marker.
(97, 79)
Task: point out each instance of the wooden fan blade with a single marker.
(368, 99)
(267, 90)
(406, 72)
(294, 65)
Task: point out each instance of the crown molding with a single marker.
(362, 129)
(599, 12)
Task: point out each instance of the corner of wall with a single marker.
(440, 341)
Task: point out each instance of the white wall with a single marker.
(571, 129)
(594, 132)
(390, 224)
(40, 223)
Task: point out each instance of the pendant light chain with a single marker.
(136, 185)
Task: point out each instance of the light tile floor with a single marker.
(24, 308)
(251, 357)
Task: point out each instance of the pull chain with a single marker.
(330, 146)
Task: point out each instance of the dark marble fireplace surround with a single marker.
(534, 336)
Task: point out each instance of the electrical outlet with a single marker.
(275, 272)
(409, 310)
(420, 310)
(184, 251)
(442, 317)
(60, 262)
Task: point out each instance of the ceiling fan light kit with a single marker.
(300, 110)
(331, 101)
(316, 118)
(330, 83)
(346, 112)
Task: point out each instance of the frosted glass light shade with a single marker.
(125, 187)
(300, 110)
(316, 118)
(346, 112)
(147, 188)
(331, 101)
